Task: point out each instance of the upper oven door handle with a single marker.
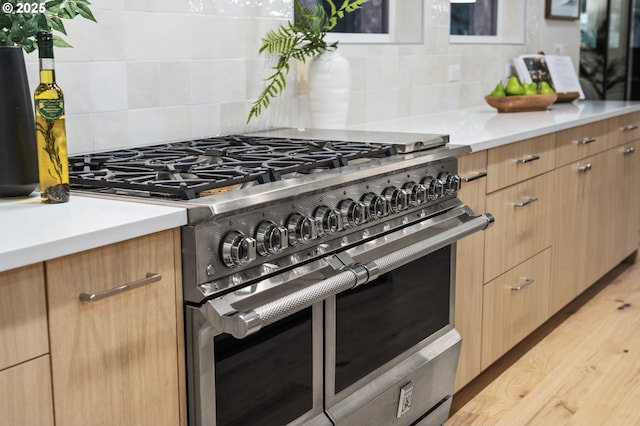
(223, 317)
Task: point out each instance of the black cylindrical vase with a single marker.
(18, 155)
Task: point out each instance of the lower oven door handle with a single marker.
(415, 251)
(223, 317)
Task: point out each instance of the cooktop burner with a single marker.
(191, 169)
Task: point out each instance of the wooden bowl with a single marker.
(521, 103)
(567, 96)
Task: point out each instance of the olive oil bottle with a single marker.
(51, 135)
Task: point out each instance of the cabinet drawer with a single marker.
(624, 128)
(580, 142)
(519, 161)
(522, 224)
(23, 315)
(514, 305)
(25, 394)
(472, 167)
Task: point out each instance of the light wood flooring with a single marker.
(582, 367)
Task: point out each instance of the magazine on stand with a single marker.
(557, 70)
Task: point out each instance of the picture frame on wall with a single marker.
(562, 9)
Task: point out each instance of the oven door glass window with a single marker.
(382, 319)
(265, 378)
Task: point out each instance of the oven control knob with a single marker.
(397, 199)
(328, 220)
(301, 229)
(417, 193)
(435, 187)
(271, 238)
(238, 249)
(353, 213)
(375, 205)
(451, 182)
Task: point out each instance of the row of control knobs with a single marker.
(239, 249)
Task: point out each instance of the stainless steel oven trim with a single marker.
(398, 248)
(204, 208)
(201, 370)
(340, 409)
(205, 275)
(322, 247)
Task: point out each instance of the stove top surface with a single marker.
(192, 169)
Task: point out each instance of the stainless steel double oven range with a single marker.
(318, 271)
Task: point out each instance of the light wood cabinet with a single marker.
(519, 161)
(25, 394)
(23, 315)
(582, 239)
(25, 377)
(597, 211)
(514, 305)
(572, 203)
(581, 142)
(566, 210)
(469, 276)
(600, 244)
(115, 361)
(574, 211)
(522, 225)
(626, 200)
(623, 129)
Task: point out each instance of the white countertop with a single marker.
(33, 231)
(483, 127)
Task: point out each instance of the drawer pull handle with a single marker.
(629, 150)
(629, 127)
(478, 175)
(587, 140)
(531, 200)
(585, 168)
(527, 282)
(94, 297)
(528, 159)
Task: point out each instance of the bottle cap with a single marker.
(45, 44)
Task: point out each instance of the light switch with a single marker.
(454, 72)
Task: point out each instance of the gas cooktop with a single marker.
(192, 169)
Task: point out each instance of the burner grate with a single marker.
(188, 170)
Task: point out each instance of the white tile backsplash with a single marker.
(174, 83)
(176, 122)
(80, 130)
(143, 84)
(110, 130)
(159, 36)
(152, 71)
(108, 86)
(145, 126)
(78, 91)
(205, 120)
(177, 6)
(230, 80)
(108, 39)
(204, 78)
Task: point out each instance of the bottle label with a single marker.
(51, 109)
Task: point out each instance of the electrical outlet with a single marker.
(454, 72)
(404, 402)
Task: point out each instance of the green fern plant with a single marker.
(299, 40)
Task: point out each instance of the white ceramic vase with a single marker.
(329, 90)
